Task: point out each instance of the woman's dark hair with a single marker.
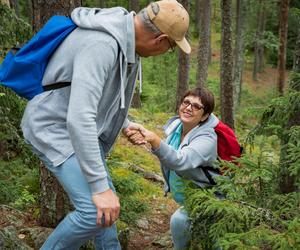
(206, 97)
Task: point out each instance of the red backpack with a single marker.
(228, 145)
(228, 149)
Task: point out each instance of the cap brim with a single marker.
(184, 45)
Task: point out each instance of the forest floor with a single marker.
(157, 235)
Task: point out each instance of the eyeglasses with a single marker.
(172, 45)
(194, 106)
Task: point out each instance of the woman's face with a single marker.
(191, 111)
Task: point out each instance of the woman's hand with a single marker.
(151, 138)
(134, 135)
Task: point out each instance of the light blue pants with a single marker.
(80, 225)
(180, 229)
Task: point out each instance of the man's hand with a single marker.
(107, 204)
(134, 133)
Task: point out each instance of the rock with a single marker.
(36, 235)
(147, 238)
(143, 223)
(163, 241)
(124, 236)
(9, 240)
(157, 221)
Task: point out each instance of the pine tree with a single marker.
(226, 93)
(204, 42)
(183, 69)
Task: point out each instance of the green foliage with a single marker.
(18, 167)
(268, 40)
(15, 177)
(293, 24)
(11, 141)
(126, 183)
(265, 237)
(18, 173)
(132, 208)
(129, 189)
(253, 208)
(13, 30)
(275, 118)
(26, 199)
(159, 82)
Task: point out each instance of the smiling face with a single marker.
(191, 111)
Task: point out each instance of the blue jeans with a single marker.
(180, 227)
(80, 225)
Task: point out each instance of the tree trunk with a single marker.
(283, 28)
(43, 10)
(210, 47)
(296, 63)
(204, 42)
(136, 99)
(239, 51)
(226, 67)
(29, 10)
(197, 18)
(101, 3)
(261, 48)
(15, 5)
(53, 201)
(288, 183)
(183, 69)
(258, 46)
(134, 5)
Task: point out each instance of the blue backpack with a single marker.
(23, 69)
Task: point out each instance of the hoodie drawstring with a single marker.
(140, 76)
(123, 73)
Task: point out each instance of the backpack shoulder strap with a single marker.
(56, 85)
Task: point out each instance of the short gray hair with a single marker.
(147, 22)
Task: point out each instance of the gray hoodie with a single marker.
(198, 148)
(99, 59)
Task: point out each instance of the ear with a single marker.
(160, 38)
(204, 117)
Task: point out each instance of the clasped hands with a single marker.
(138, 135)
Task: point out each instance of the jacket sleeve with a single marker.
(200, 151)
(92, 67)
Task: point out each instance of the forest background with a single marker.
(248, 54)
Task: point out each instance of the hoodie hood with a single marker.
(117, 22)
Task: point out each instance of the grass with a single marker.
(15, 179)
